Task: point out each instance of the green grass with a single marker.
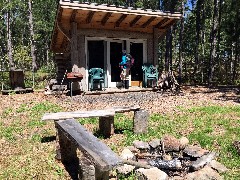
(213, 127)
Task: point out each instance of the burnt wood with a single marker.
(104, 158)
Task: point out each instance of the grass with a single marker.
(24, 154)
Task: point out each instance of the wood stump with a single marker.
(17, 79)
(106, 126)
(140, 121)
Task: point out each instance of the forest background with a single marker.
(202, 48)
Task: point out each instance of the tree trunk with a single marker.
(33, 54)
(219, 40)
(181, 44)
(9, 39)
(213, 41)
(168, 50)
(203, 41)
(198, 31)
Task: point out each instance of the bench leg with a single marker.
(58, 151)
(87, 170)
(102, 175)
(106, 126)
(68, 154)
(140, 121)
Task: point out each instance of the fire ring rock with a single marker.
(170, 143)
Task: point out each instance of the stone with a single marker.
(183, 142)
(155, 143)
(133, 149)
(202, 161)
(167, 157)
(170, 143)
(140, 122)
(177, 178)
(151, 174)
(205, 173)
(127, 155)
(125, 169)
(195, 151)
(141, 145)
(218, 166)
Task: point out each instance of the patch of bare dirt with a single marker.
(154, 102)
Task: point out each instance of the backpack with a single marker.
(130, 60)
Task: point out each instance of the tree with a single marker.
(9, 36)
(213, 41)
(32, 41)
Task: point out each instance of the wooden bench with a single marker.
(98, 158)
(106, 118)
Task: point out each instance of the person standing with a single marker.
(125, 65)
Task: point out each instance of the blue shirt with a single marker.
(124, 62)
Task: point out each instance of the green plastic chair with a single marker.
(150, 73)
(96, 75)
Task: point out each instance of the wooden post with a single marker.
(106, 126)
(74, 53)
(87, 170)
(155, 46)
(140, 121)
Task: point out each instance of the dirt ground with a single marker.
(154, 102)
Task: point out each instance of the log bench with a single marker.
(106, 118)
(97, 160)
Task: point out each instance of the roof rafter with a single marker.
(135, 20)
(90, 16)
(168, 25)
(148, 22)
(161, 23)
(105, 18)
(121, 19)
(73, 16)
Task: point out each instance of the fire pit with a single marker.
(170, 157)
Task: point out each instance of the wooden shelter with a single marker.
(94, 35)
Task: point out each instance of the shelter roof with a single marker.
(109, 17)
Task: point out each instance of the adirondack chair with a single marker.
(150, 73)
(96, 75)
